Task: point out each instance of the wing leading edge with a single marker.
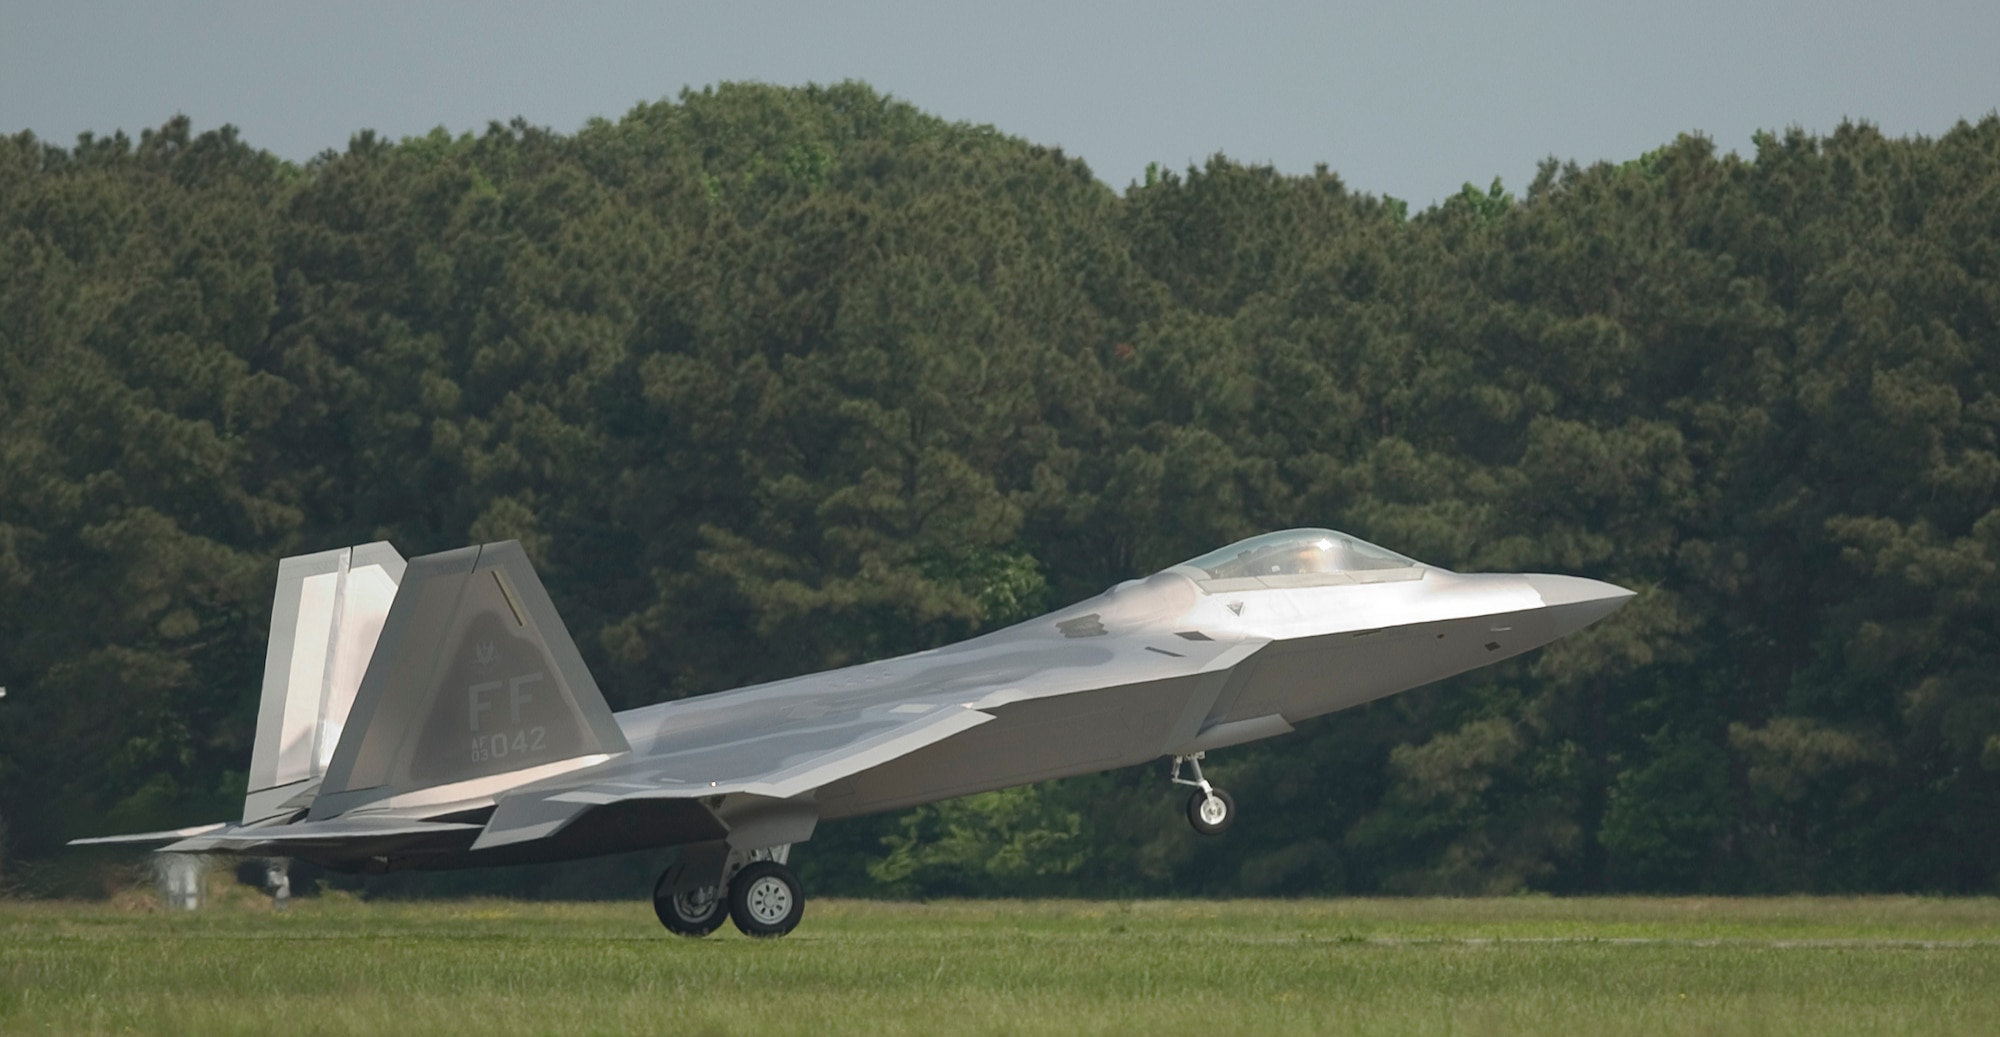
(539, 811)
(787, 741)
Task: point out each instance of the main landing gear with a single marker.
(1210, 810)
(760, 895)
(696, 912)
(765, 899)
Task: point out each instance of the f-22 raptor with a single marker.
(436, 714)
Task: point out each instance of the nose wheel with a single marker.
(1210, 810)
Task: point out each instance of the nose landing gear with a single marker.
(1210, 810)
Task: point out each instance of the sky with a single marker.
(1411, 99)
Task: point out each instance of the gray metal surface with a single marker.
(1234, 646)
(326, 615)
(475, 688)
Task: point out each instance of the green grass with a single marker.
(1528, 965)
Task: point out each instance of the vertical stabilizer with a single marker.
(476, 687)
(325, 618)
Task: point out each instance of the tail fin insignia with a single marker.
(475, 677)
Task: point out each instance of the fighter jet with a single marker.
(436, 714)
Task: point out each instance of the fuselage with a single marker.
(1232, 647)
(1180, 662)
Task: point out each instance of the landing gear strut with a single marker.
(757, 892)
(1210, 810)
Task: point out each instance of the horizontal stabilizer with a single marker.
(150, 837)
(355, 835)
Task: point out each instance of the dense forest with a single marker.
(769, 380)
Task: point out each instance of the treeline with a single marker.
(770, 380)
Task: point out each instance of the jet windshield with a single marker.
(1295, 552)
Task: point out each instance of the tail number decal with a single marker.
(481, 698)
(497, 746)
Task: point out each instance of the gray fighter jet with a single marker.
(436, 714)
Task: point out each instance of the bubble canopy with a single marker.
(1297, 553)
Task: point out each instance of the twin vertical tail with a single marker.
(326, 617)
(444, 680)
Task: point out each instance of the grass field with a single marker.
(1526, 965)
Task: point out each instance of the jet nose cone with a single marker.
(1573, 602)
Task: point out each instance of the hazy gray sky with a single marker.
(1409, 98)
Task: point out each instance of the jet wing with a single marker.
(778, 764)
(812, 757)
(783, 740)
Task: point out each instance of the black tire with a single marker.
(765, 899)
(1211, 823)
(697, 913)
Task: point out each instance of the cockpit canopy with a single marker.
(1298, 558)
